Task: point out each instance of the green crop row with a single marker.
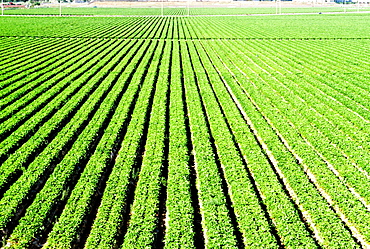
(313, 131)
(184, 132)
(42, 164)
(216, 223)
(70, 223)
(326, 236)
(13, 45)
(285, 217)
(179, 215)
(111, 212)
(333, 129)
(10, 84)
(56, 187)
(208, 27)
(150, 180)
(41, 84)
(57, 97)
(16, 76)
(17, 160)
(24, 50)
(243, 197)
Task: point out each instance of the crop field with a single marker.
(185, 132)
(170, 10)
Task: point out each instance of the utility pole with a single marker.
(276, 2)
(278, 6)
(358, 5)
(2, 7)
(344, 6)
(188, 7)
(60, 7)
(162, 8)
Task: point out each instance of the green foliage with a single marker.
(254, 129)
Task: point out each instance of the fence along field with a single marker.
(181, 132)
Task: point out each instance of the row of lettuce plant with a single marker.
(42, 83)
(103, 130)
(113, 207)
(22, 50)
(52, 116)
(311, 203)
(16, 77)
(17, 45)
(341, 136)
(324, 85)
(43, 164)
(216, 223)
(314, 134)
(285, 217)
(179, 209)
(57, 186)
(255, 233)
(144, 218)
